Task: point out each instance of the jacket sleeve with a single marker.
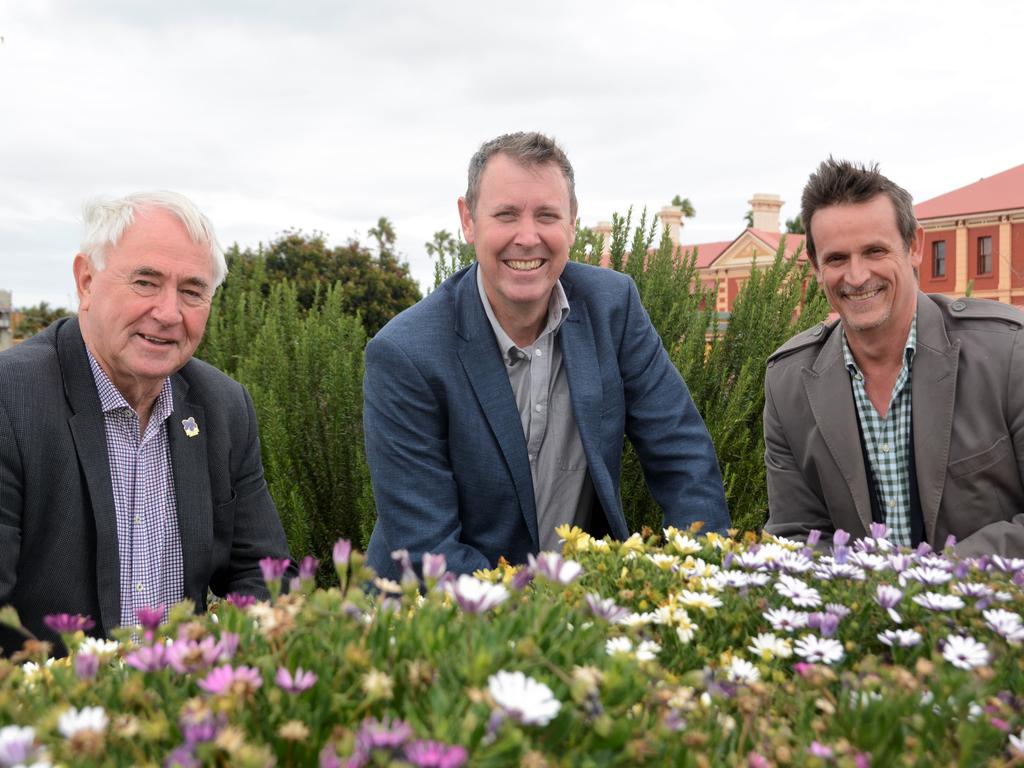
(10, 507)
(414, 488)
(794, 509)
(663, 424)
(257, 531)
(1006, 537)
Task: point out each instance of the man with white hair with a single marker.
(130, 473)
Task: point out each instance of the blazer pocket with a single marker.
(224, 519)
(980, 461)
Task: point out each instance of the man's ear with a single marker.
(917, 248)
(466, 217)
(84, 272)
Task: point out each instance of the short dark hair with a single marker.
(839, 182)
(527, 149)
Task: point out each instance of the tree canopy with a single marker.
(378, 285)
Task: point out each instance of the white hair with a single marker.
(106, 220)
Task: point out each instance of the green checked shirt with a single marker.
(887, 441)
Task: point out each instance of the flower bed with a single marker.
(677, 650)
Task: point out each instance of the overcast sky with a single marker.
(326, 115)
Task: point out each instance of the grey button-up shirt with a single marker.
(562, 490)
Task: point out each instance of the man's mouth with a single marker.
(863, 294)
(523, 266)
(156, 340)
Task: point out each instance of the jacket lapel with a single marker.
(827, 384)
(191, 486)
(90, 439)
(485, 370)
(933, 390)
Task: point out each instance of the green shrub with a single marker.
(723, 370)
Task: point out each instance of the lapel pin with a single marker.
(191, 428)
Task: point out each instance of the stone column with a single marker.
(766, 211)
(960, 258)
(1005, 260)
(6, 311)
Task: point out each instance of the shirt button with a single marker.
(885, 447)
(538, 408)
(138, 587)
(138, 519)
(892, 504)
(538, 353)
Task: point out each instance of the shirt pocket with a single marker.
(566, 445)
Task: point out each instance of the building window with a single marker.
(984, 255)
(939, 258)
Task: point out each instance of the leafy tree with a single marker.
(749, 218)
(450, 254)
(684, 202)
(795, 226)
(378, 287)
(32, 320)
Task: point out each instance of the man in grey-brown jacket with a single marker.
(909, 410)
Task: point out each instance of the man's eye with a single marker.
(505, 216)
(145, 284)
(548, 217)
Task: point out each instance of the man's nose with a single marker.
(858, 272)
(526, 233)
(167, 306)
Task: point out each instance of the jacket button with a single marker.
(817, 330)
(958, 306)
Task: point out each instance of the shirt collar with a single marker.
(111, 398)
(910, 348)
(558, 311)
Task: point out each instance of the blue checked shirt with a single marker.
(888, 440)
(148, 539)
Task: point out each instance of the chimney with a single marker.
(604, 229)
(672, 219)
(766, 211)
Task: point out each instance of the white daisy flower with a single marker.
(786, 619)
(932, 577)
(819, 650)
(699, 600)
(647, 650)
(965, 652)
(800, 594)
(768, 646)
(902, 638)
(663, 561)
(1006, 624)
(522, 698)
(936, 601)
(685, 628)
(618, 645)
(742, 671)
(86, 719)
(681, 543)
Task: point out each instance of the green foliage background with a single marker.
(296, 342)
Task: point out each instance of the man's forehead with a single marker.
(538, 171)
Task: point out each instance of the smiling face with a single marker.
(144, 314)
(522, 228)
(866, 269)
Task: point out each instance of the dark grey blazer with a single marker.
(968, 426)
(58, 536)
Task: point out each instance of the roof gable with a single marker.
(751, 244)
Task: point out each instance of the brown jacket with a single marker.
(968, 425)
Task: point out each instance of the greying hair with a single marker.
(107, 219)
(840, 182)
(527, 149)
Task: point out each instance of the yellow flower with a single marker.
(633, 544)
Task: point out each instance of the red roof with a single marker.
(1004, 191)
(707, 252)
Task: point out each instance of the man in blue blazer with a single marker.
(130, 474)
(495, 409)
